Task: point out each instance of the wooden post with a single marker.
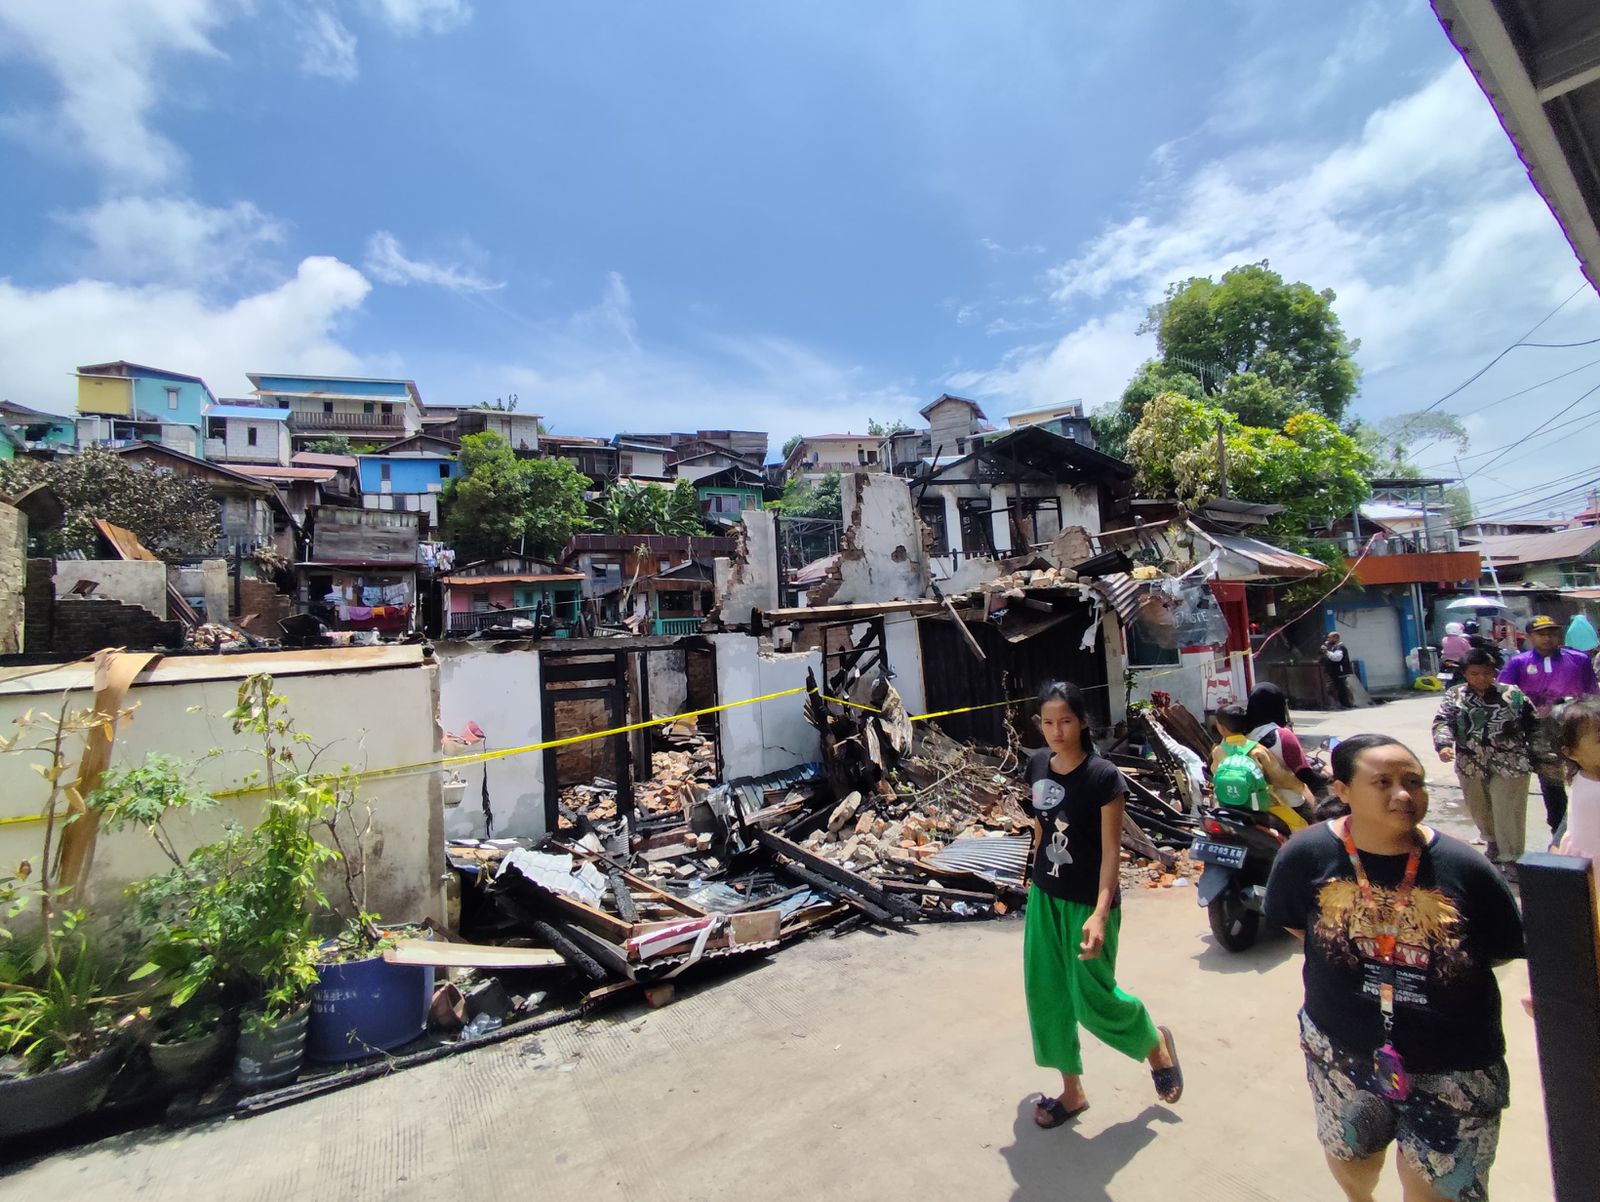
(1563, 936)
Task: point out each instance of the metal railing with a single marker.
(301, 420)
(671, 626)
(469, 623)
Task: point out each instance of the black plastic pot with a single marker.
(271, 1055)
(56, 1096)
(191, 1063)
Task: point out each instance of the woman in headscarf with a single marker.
(1268, 715)
(1453, 649)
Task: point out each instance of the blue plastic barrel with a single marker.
(367, 1006)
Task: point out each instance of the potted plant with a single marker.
(361, 1004)
(57, 1002)
(229, 927)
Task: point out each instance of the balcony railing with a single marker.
(470, 623)
(301, 420)
(674, 626)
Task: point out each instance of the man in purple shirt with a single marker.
(1549, 674)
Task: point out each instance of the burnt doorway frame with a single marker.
(588, 672)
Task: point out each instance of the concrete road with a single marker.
(1411, 721)
(859, 1067)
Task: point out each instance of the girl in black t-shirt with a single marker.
(1069, 948)
(1401, 1029)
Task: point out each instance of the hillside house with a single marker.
(122, 403)
(238, 433)
(364, 410)
(498, 592)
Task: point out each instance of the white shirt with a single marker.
(1583, 819)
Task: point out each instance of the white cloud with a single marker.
(424, 16)
(177, 240)
(106, 59)
(45, 332)
(1416, 223)
(327, 48)
(386, 261)
(597, 372)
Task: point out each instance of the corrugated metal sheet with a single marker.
(998, 857)
(1269, 560)
(1557, 546)
(471, 581)
(1122, 591)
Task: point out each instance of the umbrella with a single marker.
(1476, 603)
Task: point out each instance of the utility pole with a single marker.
(1222, 463)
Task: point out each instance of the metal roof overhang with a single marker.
(1538, 62)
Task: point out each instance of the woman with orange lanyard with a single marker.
(1402, 928)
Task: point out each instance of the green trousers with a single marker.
(1064, 991)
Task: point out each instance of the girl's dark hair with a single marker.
(1574, 718)
(1349, 751)
(1065, 690)
(1479, 657)
(1267, 704)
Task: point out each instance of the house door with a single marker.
(1373, 636)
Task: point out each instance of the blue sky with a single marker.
(783, 216)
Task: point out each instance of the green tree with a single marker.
(175, 516)
(503, 504)
(803, 499)
(1253, 323)
(790, 443)
(1113, 425)
(629, 508)
(1259, 347)
(1310, 467)
(1395, 441)
(878, 430)
(333, 444)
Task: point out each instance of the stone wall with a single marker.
(141, 582)
(13, 577)
(39, 606)
(84, 625)
(262, 607)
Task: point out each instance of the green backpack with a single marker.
(1239, 780)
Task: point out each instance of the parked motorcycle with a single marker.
(1237, 847)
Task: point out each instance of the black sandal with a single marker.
(1058, 1113)
(1168, 1081)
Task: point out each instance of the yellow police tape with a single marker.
(484, 757)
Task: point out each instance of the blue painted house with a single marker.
(122, 403)
(409, 476)
(366, 411)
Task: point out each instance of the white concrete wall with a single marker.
(881, 557)
(272, 441)
(904, 646)
(1186, 681)
(501, 691)
(771, 736)
(369, 707)
(751, 583)
(134, 581)
(208, 581)
(669, 683)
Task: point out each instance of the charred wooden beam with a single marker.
(828, 870)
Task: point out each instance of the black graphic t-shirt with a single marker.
(1461, 919)
(1066, 864)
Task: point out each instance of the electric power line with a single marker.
(1537, 429)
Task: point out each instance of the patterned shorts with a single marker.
(1448, 1129)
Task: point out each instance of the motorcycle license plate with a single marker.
(1228, 855)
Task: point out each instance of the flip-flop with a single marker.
(1058, 1113)
(1168, 1081)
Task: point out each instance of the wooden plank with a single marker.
(469, 955)
(828, 870)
